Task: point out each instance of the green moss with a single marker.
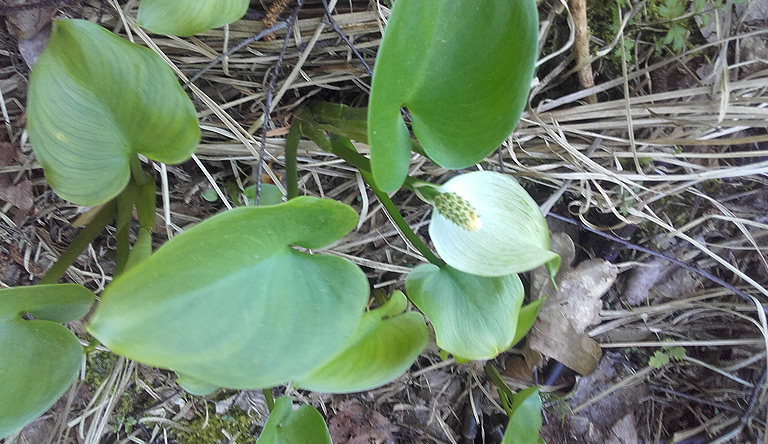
(98, 366)
(235, 422)
(124, 413)
(712, 187)
(659, 22)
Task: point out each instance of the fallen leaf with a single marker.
(559, 331)
(29, 22)
(25, 20)
(607, 412)
(32, 47)
(516, 367)
(358, 424)
(20, 195)
(624, 431)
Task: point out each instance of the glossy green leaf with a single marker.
(195, 386)
(95, 101)
(525, 422)
(526, 319)
(387, 342)
(231, 302)
(463, 71)
(185, 17)
(342, 120)
(40, 357)
(512, 237)
(475, 317)
(304, 425)
(270, 194)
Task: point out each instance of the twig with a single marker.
(344, 37)
(270, 92)
(636, 247)
(717, 405)
(233, 50)
(581, 45)
(753, 399)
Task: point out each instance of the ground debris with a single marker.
(356, 423)
(568, 311)
(606, 412)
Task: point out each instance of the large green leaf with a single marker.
(525, 421)
(304, 425)
(385, 345)
(231, 302)
(95, 101)
(463, 70)
(40, 357)
(185, 17)
(475, 317)
(512, 234)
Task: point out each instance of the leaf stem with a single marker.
(342, 147)
(103, 217)
(402, 224)
(505, 393)
(291, 166)
(269, 398)
(338, 145)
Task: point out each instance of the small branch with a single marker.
(233, 50)
(636, 247)
(581, 45)
(270, 94)
(344, 37)
(80, 243)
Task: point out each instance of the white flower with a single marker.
(486, 224)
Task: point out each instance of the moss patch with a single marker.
(236, 423)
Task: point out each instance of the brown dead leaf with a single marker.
(26, 21)
(569, 310)
(516, 367)
(29, 21)
(32, 47)
(624, 431)
(7, 154)
(19, 195)
(358, 424)
(607, 414)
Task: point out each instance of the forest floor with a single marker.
(654, 179)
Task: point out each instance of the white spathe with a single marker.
(513, 237)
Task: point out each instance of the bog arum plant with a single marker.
(486, 224)
(252, 310)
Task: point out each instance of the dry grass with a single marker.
(687, 163)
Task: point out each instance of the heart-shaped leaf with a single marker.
(511, 236)
(95, 101)
(230, 302)
(40, 357)
(184, 17)
(525, 421)
(462, 70)
(304, 425)
(475, 317)
(385, 345)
